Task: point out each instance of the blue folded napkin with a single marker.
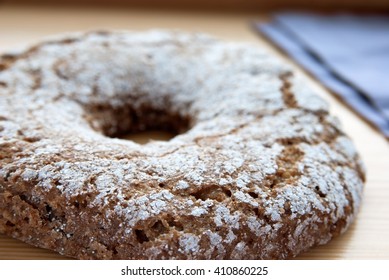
(349, 54)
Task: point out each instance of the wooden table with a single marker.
(368, 237)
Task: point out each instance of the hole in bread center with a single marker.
(143, 137)
(139, 124)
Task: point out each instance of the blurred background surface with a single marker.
(227, 5)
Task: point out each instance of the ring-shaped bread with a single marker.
(258, 170)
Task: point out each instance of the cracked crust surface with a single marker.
(262, 171)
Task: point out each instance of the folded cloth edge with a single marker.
(345, 92)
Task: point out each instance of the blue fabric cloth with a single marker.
(347, 53)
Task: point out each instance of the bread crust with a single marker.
(259, 168)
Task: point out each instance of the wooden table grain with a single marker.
(368, 237)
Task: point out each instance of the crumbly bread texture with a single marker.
(259, 171)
